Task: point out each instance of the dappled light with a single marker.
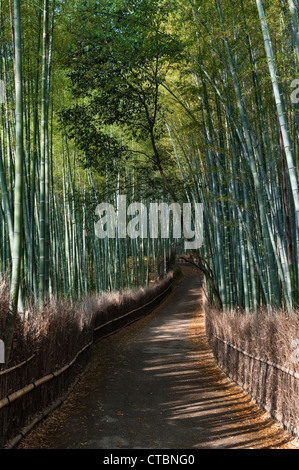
(157, 386)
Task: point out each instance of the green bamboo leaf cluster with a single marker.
(196, 107)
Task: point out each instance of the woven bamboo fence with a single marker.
(255, 353)
(29, 391)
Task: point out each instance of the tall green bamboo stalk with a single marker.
(18, 189)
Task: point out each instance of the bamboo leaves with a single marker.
(159, 109)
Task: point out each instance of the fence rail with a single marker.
(99, 332)
(287, 414)
(17, 366)
(265, 361)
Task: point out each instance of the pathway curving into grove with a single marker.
(155, 385)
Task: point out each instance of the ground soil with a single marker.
(155, 385)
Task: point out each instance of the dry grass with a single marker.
(54, 334)
(60, 328)
(265, 336)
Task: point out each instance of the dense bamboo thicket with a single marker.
(245, 153)
(187, 101)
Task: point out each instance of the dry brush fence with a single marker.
(59, 351)
(256, 352)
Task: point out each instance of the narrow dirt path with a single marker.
(155, 385)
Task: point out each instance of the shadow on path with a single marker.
(155, 385)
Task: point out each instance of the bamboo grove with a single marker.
(222, 129)
(251, 181)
